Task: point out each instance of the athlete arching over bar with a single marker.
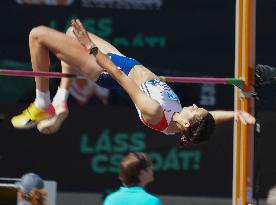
(81, 52)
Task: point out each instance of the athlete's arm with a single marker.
(222, 116)
(150, 108)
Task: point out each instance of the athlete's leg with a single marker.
(53, 124)
(41, 41)
(66, 48)
(66, 83)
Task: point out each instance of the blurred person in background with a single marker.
(135, 173)
(158, 106)
(31, 190)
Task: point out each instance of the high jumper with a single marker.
(81, 52)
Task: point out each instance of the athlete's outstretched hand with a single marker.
(245, 117)
(81, 34)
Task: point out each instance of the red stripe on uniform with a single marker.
(161, 126)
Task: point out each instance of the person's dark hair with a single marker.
(200, 130)
(130, 168)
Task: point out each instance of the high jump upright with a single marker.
(243, 150)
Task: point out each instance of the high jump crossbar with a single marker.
(171, 79)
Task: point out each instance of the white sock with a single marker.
(61, 96)
(42, 99)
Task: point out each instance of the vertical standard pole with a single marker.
(237, 104)
(243, 134)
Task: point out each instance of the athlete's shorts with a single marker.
(123, 63)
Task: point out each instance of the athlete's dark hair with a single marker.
(130, 168)
(200, 130)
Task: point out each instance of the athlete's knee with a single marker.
(37, 33)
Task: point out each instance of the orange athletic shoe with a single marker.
(53, 124)
(30, 117)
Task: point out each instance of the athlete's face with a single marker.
(190, 112)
